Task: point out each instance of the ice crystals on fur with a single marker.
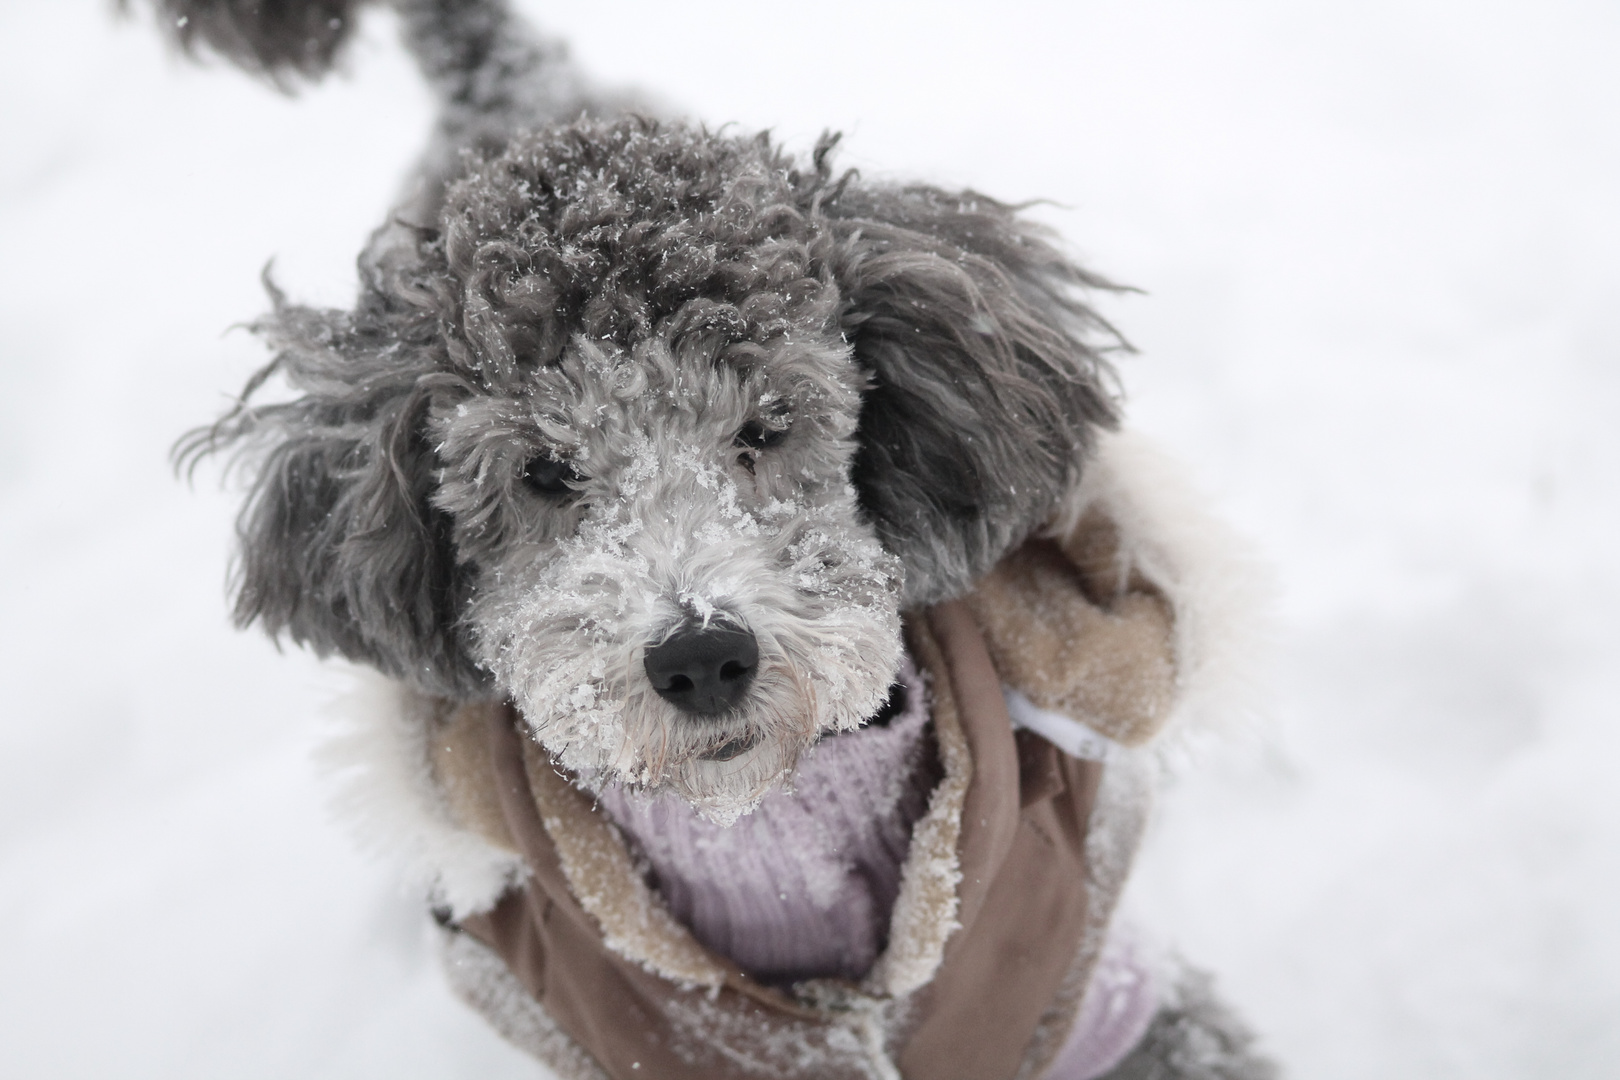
(668, 529)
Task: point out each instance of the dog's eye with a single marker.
(756, 436)
(550, 477)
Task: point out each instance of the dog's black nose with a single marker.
(703, 669)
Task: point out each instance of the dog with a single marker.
(646, 440)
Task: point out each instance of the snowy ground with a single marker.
(1379, 243)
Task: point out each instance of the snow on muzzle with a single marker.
(582, 634)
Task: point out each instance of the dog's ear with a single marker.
(340, 548)
(987, 378)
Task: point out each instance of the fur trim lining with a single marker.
(385, 786)
(924, 914)
(1217, 589)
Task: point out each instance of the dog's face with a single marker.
(675, 582)
(657, 434)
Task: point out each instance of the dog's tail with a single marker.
(278, 39)
(491, 71)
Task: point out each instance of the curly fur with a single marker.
(625, 295)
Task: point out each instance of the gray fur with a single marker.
(962, 327)
(984, 389)
(1195, 1036)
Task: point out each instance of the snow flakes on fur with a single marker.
(922, 346)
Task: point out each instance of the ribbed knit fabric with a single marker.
(802, 887)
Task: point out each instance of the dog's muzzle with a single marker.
(703, 670)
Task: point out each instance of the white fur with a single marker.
(378, 756)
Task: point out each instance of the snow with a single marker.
(1379, 245)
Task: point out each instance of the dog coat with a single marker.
(1046, 684)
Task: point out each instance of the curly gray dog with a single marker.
(655, 431)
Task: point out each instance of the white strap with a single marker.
(1064, 732)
